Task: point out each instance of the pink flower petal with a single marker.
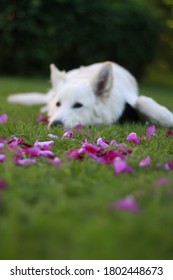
(132, 137)
(1, 146)
(145, 162)
(169, 133)
(76, 154)
(3, 118)
(53, 136)
(3, 184)
(151, 131)
(169, 165)
(126, 204)
(55, 161)
(67, 134)
(33, 151)
(42, 119)
(113, 143)
(109, 156)
(90, 148)
(2, 158)
(46, 145)
(25, 161)
(121, 166)
(162, 181)
(102, 143)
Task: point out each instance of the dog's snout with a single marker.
(56, 122)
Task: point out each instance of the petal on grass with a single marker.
(151, 131)
(169, 165)
(53, 136)
(145, 162)
(162, 181)
(2, 158)
(128, 204)
(67, 134)
(46, 145)
(42, 119)
(77, 154)
(25, 161)
(102, 143)
(121, 166)
(2, 145)
(132, 137)
(3, 184)
(169, 133)
(55, 161)
(3, 118)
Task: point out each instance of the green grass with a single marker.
(63, 213)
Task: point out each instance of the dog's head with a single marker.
(79, 99)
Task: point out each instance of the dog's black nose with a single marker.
(57, 122)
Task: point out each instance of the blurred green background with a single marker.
(138, 34)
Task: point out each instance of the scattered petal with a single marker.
(68, 134)
(42, 119)
(25, 161)
(162, 181)
(145, 162)
(1, 146)
(77, 154)
(3, 184)
(102, 143)
(151, 131)
(53, 136)
(132, 137)
(2, 158)
(46, 145)
(127, 204)
(79, 127)
(121, 166)
(55, 161)
(3, 118)
(169, 133)
(113, 143)
(169, 165)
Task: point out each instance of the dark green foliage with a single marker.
(74, 32)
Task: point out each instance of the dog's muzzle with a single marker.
(56, 123)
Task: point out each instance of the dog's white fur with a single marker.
(95, 94)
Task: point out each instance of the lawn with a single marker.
(49, 212)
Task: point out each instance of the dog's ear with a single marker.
(56, 75)
(102, 82)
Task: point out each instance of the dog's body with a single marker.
(103, 93)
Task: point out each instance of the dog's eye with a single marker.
(77, 105)
(58, 104)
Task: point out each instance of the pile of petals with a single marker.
(26, 154)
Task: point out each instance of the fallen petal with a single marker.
(169, 165)
(53, 136)
(2, 158)
(132, 137)
(3, 184)
(151, 131)
(46, 145)
(55, 161)
(42, 119)
(121, 166)
(68, 134)
(3, 118)
(102, 143)
(127, 204)
(169, 133)
(25, 161)
(162, 181)
(145, 162)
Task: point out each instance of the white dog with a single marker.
(102, 93)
